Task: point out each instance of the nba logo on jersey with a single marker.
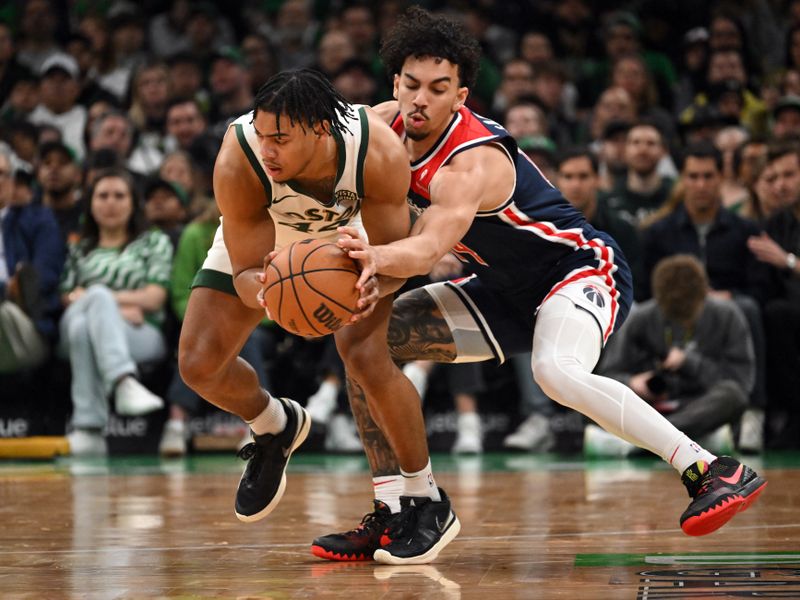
(594, 295)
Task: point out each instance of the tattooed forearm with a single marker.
(380, 456)
(418, 331)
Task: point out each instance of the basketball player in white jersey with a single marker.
(303, 163)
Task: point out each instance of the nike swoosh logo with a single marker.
(734, 479)
(282, 198)
(439, 526)
(383, 482)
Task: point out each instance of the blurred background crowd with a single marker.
(673, 126)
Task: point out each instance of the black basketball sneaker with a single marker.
(718, 492)
(359, 543)
(420, 532)
(264, 477)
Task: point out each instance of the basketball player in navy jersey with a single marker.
(543, 280)
(303, 162)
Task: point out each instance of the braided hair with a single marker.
(421, 34)
(306, 97)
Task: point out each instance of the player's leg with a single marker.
(215, 328)
(416, 328)
(567, 342)
(394, 405)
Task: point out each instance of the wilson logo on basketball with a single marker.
(326, 318)
(594, 295)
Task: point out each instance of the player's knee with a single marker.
(199, 362)
(547, 374)
(555, 375)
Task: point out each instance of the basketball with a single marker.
(310, 288)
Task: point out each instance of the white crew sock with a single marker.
(421, 483)
(270, 420)
(388, 489)
(687, 453)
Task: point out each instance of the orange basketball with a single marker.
(310, 288)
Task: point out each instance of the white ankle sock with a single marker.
(270, 420)
(418, 377)
(687, 452)
(388, 489)
(421, 483)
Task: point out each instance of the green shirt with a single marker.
(193, 246)
(146, 260)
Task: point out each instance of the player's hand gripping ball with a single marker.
(310, 288)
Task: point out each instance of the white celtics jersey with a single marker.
(298, 216)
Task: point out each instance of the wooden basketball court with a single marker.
(532, 527)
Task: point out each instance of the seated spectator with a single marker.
(516, 83)
(185, 123)
(643, 189)
(58, 106)
(179, 168)
(726, 64)
(525, 118)
(59, 179)
(31, 259)
(356, 81)
(165, 206)
(699, 225)
(186, 79)
(114, 290)
(688, 354)
(148, 112)
(786, 118)
(779, 247)
(733, 191)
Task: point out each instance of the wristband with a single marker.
(791, 261)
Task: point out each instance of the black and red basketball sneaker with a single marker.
(718, 492)
(423, 528)
(359, 543)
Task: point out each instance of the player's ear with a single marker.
(395, 85)
(322, 128)
(461, 98)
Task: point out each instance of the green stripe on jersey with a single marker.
(248, 152)
(362, 151)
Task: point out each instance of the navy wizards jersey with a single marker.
(532, 244)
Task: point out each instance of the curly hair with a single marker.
(306, 97)
(420, 34)
(680, 285)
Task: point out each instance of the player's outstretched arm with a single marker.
(476, 178)
(246, 224)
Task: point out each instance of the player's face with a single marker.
(428, 92)
(285, 148)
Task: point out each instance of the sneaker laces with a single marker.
(370, 523)
(407, 519)
(247, 452)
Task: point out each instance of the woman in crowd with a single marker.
(114, 288)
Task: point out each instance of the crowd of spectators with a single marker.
(674, 126)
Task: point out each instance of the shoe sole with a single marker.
(321, 552)
(382, 556)
(301, 436)
(715, 517)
